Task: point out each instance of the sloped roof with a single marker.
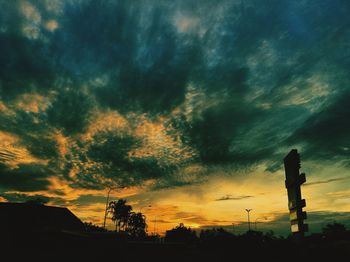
(35, 217)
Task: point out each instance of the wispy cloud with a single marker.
(339, 194)
(232, 197)
(337, 179)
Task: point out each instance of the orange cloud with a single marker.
(158, 143)
(31, 102)
(13, 153)
(5, 110)
(2, 199)
(105, 121)
(51, 25)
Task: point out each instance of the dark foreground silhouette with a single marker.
(114, 247)
(29, 233)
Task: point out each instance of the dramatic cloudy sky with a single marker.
(189, 105)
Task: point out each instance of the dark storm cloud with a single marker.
(88, 200)
(25, 63)
(15, 197)
(326, 133)
(108, 155)
(33, 130)
(236, 81)
(111, 150)
(25, 178)
(135, 45)
(220, 133)
(70, 110)
(24, 67)
(217, 127)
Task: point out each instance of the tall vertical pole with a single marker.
(155, 221)
(107, 202)
(248, 211)
(106, 209)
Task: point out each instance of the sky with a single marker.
(187, 108)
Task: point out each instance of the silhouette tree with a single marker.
(181, 234)
(90, 227)
(120, 213)
(137, 225)
(335, 231)
(216, 235)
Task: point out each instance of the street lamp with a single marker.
(248, 211)
(257, 220)
(107, 201)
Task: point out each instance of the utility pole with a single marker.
(155, 221)
(248, 211)
(107, 201)
(233, 228)
(106, 209)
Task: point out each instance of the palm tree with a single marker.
(120, 213)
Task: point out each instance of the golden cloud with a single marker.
(31, 102)
(105, 121)
(158, 143)
(13, 153)
(51, 25)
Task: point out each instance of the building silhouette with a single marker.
(295, 202)
(30, 223)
